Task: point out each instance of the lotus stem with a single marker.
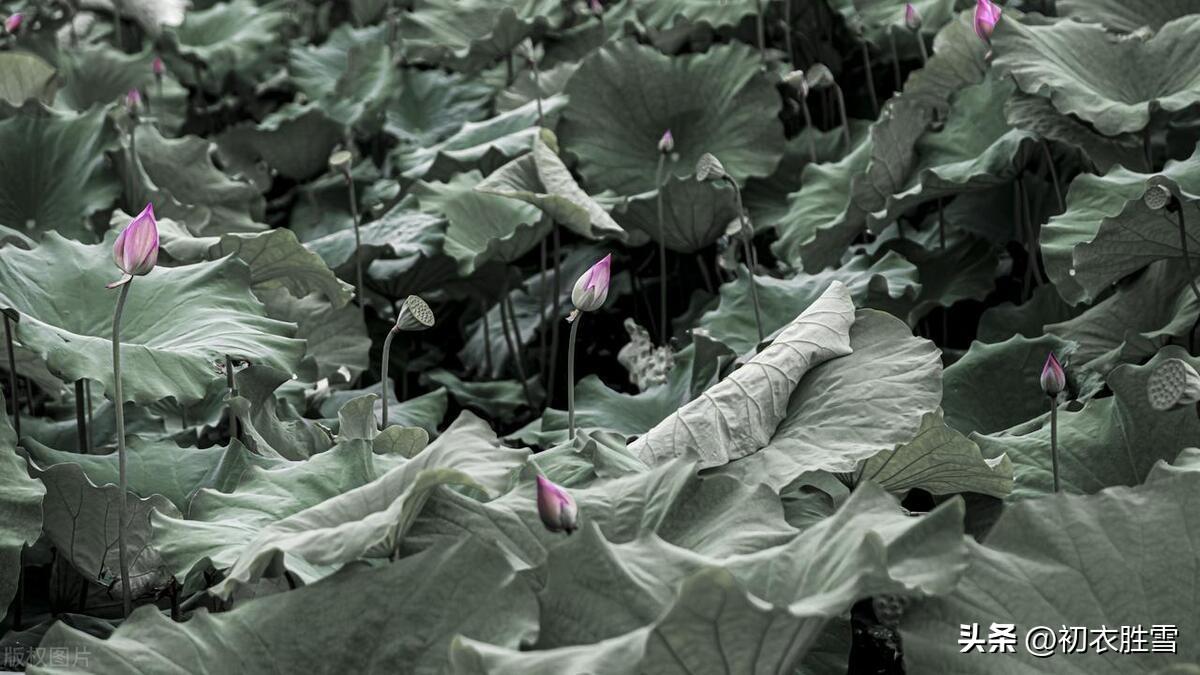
(557, 300)
(808, 123)
(662, 253)
(87, 393)
(1054, 439)
(1035, 270)
(232, 385)
(543, 297)
(866, 56)
(358, 265)
(921, 44)
(505, 310)
(841, 103)
(761, 30)
(1062, 204)
(383, 371)
(12, 375)
(942, 223)
(487, 340)
(80, 417)
(122, 479)
(571, 375)
(787, 31)
(537, 90)
(118, 33)
(895, 60)
(1187, 266)
(508, 70)
(708, 285)
(746, 234)
(1147, 149)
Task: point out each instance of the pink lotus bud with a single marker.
(666, 143)
(987, 13)
(13, 23)
(133, 100)
(158, 66)
(912, 18)
(556, 507)
(596, 7)
(136, 248)
(1053, 379)
(591, 290)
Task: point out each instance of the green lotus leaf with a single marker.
(996, 386)
(151, 15)
(25, 76)
(1123, 557)
(695, 214)
(20, 508)
(739, 415)
(716, 102)
(53, 174)
(177, 325)
(432, 105)
(540, 178)
(270, 425)
(852, 407)
(1108, 232)
(351, 75)
(548, 82)
(670, 14)
(425, 411)
(1112, 82)
(1037, 115)
(732, 322)
(466, 589)
(480, 227)
(402, 233)
(940, 461)
(99, 75)
(496, 399)
(483, 145)
(335, 338)
(470, 35)
(229, 37)
(295, 141)
(1110, 441)
(1127, 15)
(880, 21)
(1007, 319)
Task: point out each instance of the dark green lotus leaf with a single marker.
(152, 15)
(483, 145)
(1110, 441)
(269, 424)
(625, 96)
(1112, 82)
(1127, 15)
(1108, 232)
(959, 60)
(465, 589)
(732, 322)
(1037, 115)
(335, 338)
(234, 36)
(852, 407)
(53, 174)
(670, 14)
(540, 178)
(695, 214)
(295, 141)
(20, 508)
(432, 105)
(402, 233)
(996, 386)
(526, 88)
(480, 227)
(179, 323)
(472, 34)
(25, 76)
(100, 75)
(881, 21)
(425, 411)
(965, 269)
(1124, 557)
(351, 75)
(756, 613)
(495, 399)
(1007, 319)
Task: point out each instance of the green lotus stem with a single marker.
(571, 375)
(505, 315)
(921, 44)
(80, 417)
(117, 32)
(487, 340)
(708, 285)
(1187, 265)
(87, 392)
(508, 66)
(895, 60)
(543, 297)
(537, 89)
(557, 300)
(1054, 439)
(760, 30)
(808, 123)
(1062, 204)
(746, 235)
(866, 56)
(787, 31)
(1148, 149)
(383, 371)
(232, 385)
(12, 375)
(841, 103)
(662, 253)
(1035, 271)
(358, 265)
(941, 223)
(122, 479)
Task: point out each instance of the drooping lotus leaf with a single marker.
(1124, 557)
(625, 96)
(469, 35)
(1110, 441)
(425, 411)
(1108, 232)
(100, 75)
(295, 140)
(151, 15)
(732, 322)
(20, 508)
(996, 386)
(351, 74)
(755, 613)
(229, 36)
(483, 145)
(431, 105)
(964, 270)
(695, 214)
(940, 461)
(1007, 319)
(269, 425)
(480, 227)
(540, 178)
(1037, 115)
(464, 589)
(1127, 15)
(25, 76)
(1110, 81)
(739, 415)
(52, 172)
(335, 338)
(178, 324)
(852, 407)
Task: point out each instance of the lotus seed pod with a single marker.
(340, 160)
(708, 167)
(1173, 383)
(415, 314)
(1156, 197)
(797, 80)
(889, 609)
(819, 76)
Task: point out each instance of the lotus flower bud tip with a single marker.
(13, 23)
(912, 18)
(667, 142)
(158, 66)
(1053, 379)
(987, 14)
(556, 507)
(133, 100)
(597, 8)
(136, 250)
(591, 289)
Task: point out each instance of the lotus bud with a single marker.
(414, 315)
(1173, 383)
(158, 67)
(340, 161)
(666, 143)
(987, 14)
(591, 290)
(13, 23)
(136, 248)
(1156, 197)
(1053, 379)
(597, 8)
(556, 507)
(819, 76)
(796, 80)
(709, 167)
(912, 18)
(133, 101)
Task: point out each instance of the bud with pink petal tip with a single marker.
(158, 67)
(596, 7)
(556, 507)
(987, 14)
(13, 23)
(666, 143)
(133, 101)
(591, 289)
(912, 18)
(136, 248)
(1053, 379)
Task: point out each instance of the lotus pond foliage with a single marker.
(688, 336)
